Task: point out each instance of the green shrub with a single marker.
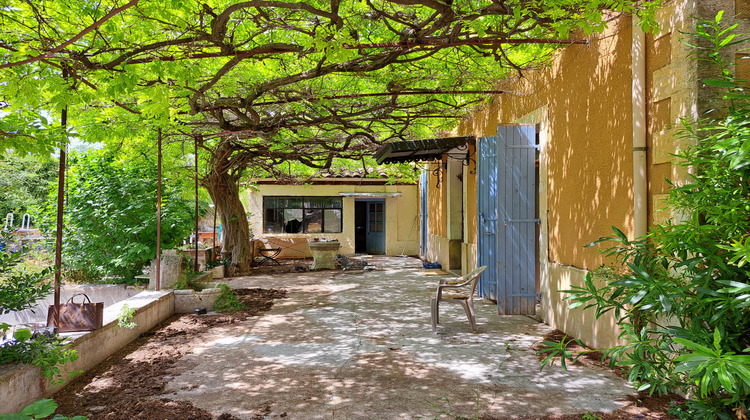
(24, 183)
(682, 300)
(19, 291)
(227, 300)
(39, 410)
(47, 353)
(110, 223)
(125, 317)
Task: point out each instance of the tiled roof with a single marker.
(347, 173)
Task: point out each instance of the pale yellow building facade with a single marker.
(399, 214)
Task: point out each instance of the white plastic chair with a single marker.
(469, 282)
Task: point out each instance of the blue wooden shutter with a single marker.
(423, 180)
(516, 220)
(487, 170)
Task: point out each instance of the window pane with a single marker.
(323, 202)
(333, 202)
(292, 220)
(284, 214)
(313, 221)
(314, 202)
(332, 221)
(293, 202)
(273, 221)
(270, 202)
(282, 202)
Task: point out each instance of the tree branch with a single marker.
(381, 94)
(114, 12)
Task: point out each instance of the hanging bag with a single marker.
(84, 316)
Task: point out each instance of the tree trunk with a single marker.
(225, 192)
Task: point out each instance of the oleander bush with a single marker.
(681, 294)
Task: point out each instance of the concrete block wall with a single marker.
(21, 385)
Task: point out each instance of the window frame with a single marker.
(305, 210)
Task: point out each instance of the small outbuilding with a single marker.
(366, 214)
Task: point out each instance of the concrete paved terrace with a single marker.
(358, 345)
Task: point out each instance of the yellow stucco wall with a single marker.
(585, 98)
(583, 105)
(436, 249)
(437, 206)
(449, 203)
(470, 205)
(400, 216)
(588, 94)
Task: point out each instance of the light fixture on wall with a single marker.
(441, 167)
(464, 154)
(468, 160)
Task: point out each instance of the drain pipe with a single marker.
(640, 166)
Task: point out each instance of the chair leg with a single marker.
(473, 318)
(470, 314)
(434, 314)
(437, 310)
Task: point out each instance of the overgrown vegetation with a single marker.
(47, 353)
(225, 262)
(682, 295)
(227, 300)
(125, 317)
(19, 291)
(110, 216)
(24, 184)
(258, 85)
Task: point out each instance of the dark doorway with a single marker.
(369, 226)
(360, 228)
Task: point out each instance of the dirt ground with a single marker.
(128, 385)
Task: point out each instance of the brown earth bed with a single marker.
(128, 384)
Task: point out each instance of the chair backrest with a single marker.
(474, 277)
(469, 279)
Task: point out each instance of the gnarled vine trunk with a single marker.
(224, 189)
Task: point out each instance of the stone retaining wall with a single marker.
(21, 385)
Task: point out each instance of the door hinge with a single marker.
(537, 221)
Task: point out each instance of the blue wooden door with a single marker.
(376, 227)
(423, 210)
(516, 220)
(487, 215)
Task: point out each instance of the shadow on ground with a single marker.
(358, 345)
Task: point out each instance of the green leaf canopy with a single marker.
(284, 80)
